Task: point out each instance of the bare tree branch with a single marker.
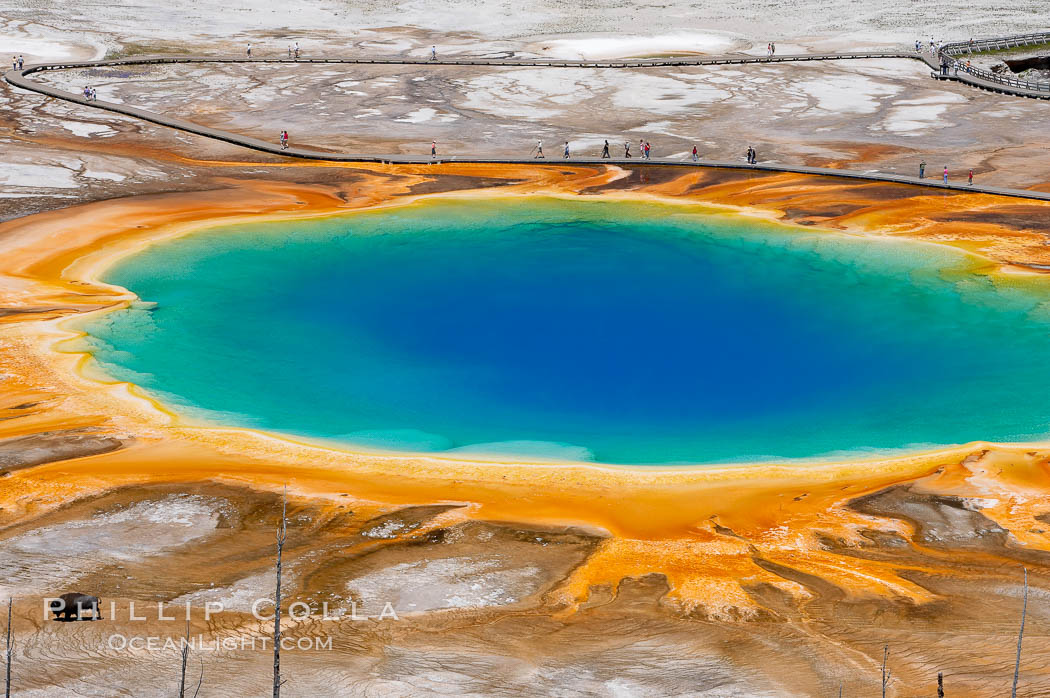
(185, 656)
(7, 682)
(885, 675)
(1020, 635)
(282, 534)
(200, 680)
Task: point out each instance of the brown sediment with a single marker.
(859, 153)
(50, 446)
(1011, 216)
(729, 545)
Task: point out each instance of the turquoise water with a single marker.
(616, 332)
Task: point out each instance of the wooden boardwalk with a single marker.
(735, 59)
(19, 78)
(958, 53)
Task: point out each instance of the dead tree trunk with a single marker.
(885, 675)
(185, 656)
(7, 679)
(940, 684)
(1020, 635)
(282, 532)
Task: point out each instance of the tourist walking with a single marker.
(971, 178)
(539, 149)
(433, 53)
(433, 148)
(627, 149)
(296, 50)
(284, 140)
(922, 170)
(945, 174)
(249, 50)
(769, 50)
(566, 156)
(21, 62)
(14, 62)
(605, 149)
(647, 150)
(289, 50)
(696, 154)
(772, 48)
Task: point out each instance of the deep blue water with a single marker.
(619, 332)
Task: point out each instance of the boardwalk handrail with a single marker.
(996, 43)
(951, 52)
(19, 78)
(971, 76)
(727, 59)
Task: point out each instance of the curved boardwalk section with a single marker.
(19, 78)
(987, 80)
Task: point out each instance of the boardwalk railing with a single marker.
(951, 52)
(669, 61)
(1001, 43)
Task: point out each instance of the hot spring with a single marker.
(580, 330)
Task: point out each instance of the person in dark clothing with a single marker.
(605, 149)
